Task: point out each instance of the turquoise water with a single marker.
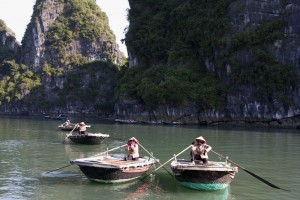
(204, 187)
(29, 148)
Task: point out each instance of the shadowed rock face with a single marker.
(9, 47)
(243, 103)
(52, 37)
(247, 15)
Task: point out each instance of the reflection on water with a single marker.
(57, 174)
(144, 189)
(164, 184)
(31, 148)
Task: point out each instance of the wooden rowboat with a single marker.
(209, 177)
(67, 128)
(87, 138)
(113, 168)
(70, 127)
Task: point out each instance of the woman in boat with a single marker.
(82, 128)
(67, 123)
(132, 149)
(200, 149)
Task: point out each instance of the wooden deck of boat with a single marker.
(120, 162)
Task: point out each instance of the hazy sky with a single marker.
(17, 14)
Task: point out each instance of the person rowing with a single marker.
(200, 150)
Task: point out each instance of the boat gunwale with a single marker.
(188, 165)
(104, 163)
(96, 135)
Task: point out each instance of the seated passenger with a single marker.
(67, 123)
(132, 149)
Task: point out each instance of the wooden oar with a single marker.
(67, 136)
(60, 125)
(91, 156)
(116, 138)
(58, 168)
(251, 173)
(167, 162)
(155, 158)
(109, 150)
(87, 125)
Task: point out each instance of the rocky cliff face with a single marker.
(9, 41)
(44, 15)
(9, 46)
(53, 36)
(248, 15)
(68, 48)
(244, 103)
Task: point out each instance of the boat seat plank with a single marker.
(120, 162)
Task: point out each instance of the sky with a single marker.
(17, 14)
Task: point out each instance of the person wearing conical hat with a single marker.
(82, 128)
(200, 149)
(132, 149)
(67, 123)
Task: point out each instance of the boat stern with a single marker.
(208, 177)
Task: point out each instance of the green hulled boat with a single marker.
(209, 177)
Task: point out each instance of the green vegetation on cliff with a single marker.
(6, 53)
(16, 81)
(196, 35)
(173, 40)
(82, 21)
(87, 85)
(186, 52)
(176, 31)
(271, 78)
(72, 81)
(173, 86)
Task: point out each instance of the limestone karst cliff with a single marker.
(65, 33)
(67, 63)
(250, 46)
(9, 47)
(193, 62)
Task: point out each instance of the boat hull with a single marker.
(108, 169)
(211, 177)
(68, 128)
(87, 138)
(109, 175)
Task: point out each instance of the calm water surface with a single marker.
(29, 148)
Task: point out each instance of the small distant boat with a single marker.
(87, 138)
(126, 121)
(58, 117)
(67, 128)
(113, 168)
(70, 127)
(209, 177)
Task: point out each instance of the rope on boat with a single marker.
(173, 158)
(58, 168)
(109, 150)
(155, 159)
